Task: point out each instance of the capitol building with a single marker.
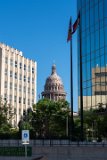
(54, 88)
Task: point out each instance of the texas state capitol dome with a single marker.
(54, 88)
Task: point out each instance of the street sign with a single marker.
(25, 136)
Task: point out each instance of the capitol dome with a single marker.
(54, 89)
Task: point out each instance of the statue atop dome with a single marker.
(54, 89)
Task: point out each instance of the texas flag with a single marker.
(75, 25)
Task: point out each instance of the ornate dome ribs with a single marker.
(54, 88)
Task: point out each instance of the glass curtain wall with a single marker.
(93, 29)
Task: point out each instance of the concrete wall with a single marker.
(71, 152)
(66, 153)
(61, 150)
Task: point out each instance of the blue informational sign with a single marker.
(25, 136)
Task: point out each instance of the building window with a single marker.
(102, 74)
(10, 85)
(15, 63)
(28, 101)
(15, 98)
(32, 80)
(25, 67)
(32, 101)
(28, 68)
(15, 87)
(28, 79)
(24, 100)
(100, 92)
(32, 70)
(20, 111)
(28, 90)
(20, 77)
(15, 75)
(5, 84)
(11, 62)
(5, 96)
(5, 72)
(20, 88)
(10, 97)
(32, 91)
(11, 74)
(24, 78)
(20, 65)
(6, 60)
(24, 89)
(15, 110)
(20, 99)
(24, 112)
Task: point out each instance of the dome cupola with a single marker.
(54, 89)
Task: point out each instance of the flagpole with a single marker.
(71, 85)
(81, 86)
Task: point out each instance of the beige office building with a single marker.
(99, 81)
(17, 80)
(99, 89)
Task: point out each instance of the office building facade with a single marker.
(92, 52)
(17, 80)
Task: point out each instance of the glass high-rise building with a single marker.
(92, 39)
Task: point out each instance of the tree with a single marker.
(6, 115)
(25, 122)
(95, 126)
(48, 118)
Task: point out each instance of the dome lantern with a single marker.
(53, 69)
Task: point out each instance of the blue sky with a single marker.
(39, 29)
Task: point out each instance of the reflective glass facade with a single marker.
(93, 29)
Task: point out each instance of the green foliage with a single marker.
(77, 130)
(48, 119)
(15, 151)
(6, 116)
(95, 126)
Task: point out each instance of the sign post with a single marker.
(25, 140)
